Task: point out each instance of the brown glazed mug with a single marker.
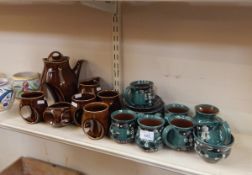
(95, 120)
(111, 98)
(32, 105)
(79, 101)
(59, 114)
(90, 86)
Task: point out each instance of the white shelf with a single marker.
(107, 6)
(239, 162)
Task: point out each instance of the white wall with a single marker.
(194, 54)
(29, 33)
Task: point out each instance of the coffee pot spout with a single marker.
(77, 68)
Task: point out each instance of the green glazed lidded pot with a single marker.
(149, 132)
(214, 129)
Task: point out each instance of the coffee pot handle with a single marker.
(165, 133)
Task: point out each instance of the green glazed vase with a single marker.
(205, 113)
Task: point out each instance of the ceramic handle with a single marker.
(165, 133)
(51, 55)
(78, 115)
(112, 128)
(96, 129)
(48, 117)
(127, 93)
(33, 117)
(65, 117)
(227, 133)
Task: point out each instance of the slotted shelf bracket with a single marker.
(116, 50)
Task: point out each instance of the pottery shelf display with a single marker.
(141, 118)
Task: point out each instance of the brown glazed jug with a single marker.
(58, 77)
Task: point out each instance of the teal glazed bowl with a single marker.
(211, 153)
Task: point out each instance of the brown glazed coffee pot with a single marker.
(58, 77)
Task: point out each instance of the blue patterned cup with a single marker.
(178, 134)
(123, 126)
(149, 133)
(6, 94)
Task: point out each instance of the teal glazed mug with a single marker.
(205, 113)
(123, 126)
(149, 132)
(216, 133)
(175, 108)
(178, 135)
(140, 93)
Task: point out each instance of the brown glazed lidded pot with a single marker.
(59, 78)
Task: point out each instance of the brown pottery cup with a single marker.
(32, 105)
(59, 114)
(111, 98)
(90, 86)
(79, 101)
(95, 120)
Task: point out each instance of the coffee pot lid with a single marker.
(56, 56)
